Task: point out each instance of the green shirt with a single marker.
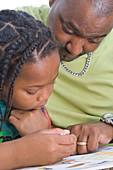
(82, 99)
(40, 13)
(8, 131)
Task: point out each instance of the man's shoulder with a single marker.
(40, 13)
(106, 44)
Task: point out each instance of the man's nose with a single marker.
(76, 45)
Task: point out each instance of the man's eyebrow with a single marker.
(78, 31)
(98, 36)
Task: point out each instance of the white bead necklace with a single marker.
(83, 71)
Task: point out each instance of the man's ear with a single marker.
(51, 2)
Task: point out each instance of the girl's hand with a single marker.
(27, 122)
(40, 148)
(48, 147)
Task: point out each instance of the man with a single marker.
(83, 91)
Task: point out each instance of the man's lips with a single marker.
(64, 51)
(66, 55)
(67, 51)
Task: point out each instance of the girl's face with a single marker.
(35, 84)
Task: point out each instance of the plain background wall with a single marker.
(12, 4)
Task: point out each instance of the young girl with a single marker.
(29, 63)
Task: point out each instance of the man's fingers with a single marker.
(93, 142)
(82, 142)
(87, 142)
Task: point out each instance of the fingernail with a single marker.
(66, 131)
(62, 134)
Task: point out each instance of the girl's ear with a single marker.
(51, 2)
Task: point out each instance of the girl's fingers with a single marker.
(16, 114)
(56, 131)
(65, 139)
(13, 120)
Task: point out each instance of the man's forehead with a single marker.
(100, 7)
(71, 7)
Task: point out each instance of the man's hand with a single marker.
(93, 134)
(27, 122)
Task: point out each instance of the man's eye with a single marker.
(67, 30)
(93, 41)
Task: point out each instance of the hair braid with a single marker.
(16, 74)
(3, 74)
(20, 35)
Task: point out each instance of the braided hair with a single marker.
(20, 36)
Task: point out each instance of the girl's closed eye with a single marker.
(31, 92)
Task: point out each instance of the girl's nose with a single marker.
(45, 93)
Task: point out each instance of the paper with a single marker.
(101, 159)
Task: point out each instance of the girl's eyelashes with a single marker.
(31, 93)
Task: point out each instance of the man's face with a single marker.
(75, 24)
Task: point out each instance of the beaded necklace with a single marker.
(84, 69)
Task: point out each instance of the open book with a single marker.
(100, 159)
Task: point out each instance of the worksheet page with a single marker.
(101, 159)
